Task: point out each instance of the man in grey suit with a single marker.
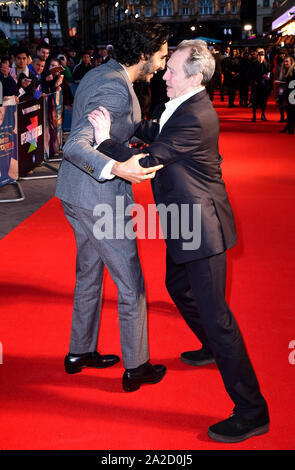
(84, 186)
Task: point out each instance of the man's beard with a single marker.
(146, 70)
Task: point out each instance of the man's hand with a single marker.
(101, 120)
(26, 82)
(59, 80)
(132, 171)
(4, 68)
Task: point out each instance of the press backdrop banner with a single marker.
(53, 124)
(8, 145)
(30, 120)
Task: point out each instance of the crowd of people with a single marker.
(252, 76)
(27, 74)
(244, 77)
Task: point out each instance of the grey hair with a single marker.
(200, 59)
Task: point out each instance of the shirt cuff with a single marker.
(106, 171)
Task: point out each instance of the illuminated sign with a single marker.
(284, 18)
(289, 29)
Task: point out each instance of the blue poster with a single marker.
(8, 145)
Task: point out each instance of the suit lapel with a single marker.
(181, 108)
(136, 110)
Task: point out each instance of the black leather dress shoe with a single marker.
(237, 429)
(197, 358)
(74, 362)
(144, 374)
(283, 131)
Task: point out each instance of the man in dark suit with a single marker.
(187, 146)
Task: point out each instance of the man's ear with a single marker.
(143, 58)
(197, 79)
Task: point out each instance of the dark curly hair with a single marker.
(140, 38)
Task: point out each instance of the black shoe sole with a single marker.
(232, 440)
(73, 370)
(134, 387)
(198, 363)
(76, 369)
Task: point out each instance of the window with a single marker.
(186, 11)
(206, 7)
(148, 12)
(265, 3)
(165, 8)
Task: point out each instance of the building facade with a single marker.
(283, 25)
(14, 20)
(264, 15)
(73, 16)
(102, 21)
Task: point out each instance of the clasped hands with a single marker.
(130, 170)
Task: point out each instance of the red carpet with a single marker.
(43, 408)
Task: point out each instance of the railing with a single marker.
(30, 136)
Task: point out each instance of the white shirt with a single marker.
(173, 104)
(171, 107)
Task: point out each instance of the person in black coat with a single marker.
(200, 228)
(9, 87)
(261, 84)
(24, 78)
(245, 68)
(26, 86)
(82, 68)
(290, 91)
(231, 67)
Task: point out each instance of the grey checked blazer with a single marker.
(78, 181)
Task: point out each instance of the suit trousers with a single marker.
(198, 290)
(120, 257)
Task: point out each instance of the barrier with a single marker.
(30, 137)
(30, 123)
(8, 145)
(51, 135)
(9, 168)
(53, 119)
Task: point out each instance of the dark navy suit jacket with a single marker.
(187, 146)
